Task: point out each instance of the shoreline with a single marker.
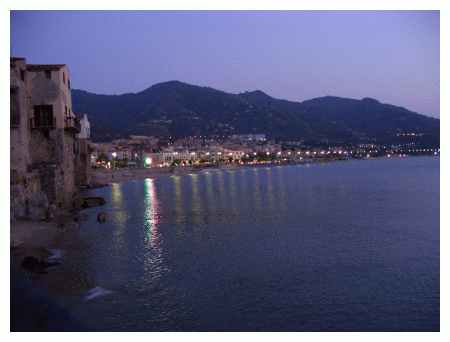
(105, 177)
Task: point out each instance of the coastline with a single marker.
(104, 177)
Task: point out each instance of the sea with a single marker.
(341, 246)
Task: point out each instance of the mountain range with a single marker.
(179, 109)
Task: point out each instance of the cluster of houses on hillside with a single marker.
(49, 143)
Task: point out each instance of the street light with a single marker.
(148, 161)
(114, 155)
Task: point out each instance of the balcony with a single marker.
(72, 124)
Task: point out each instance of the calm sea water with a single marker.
(340, 246)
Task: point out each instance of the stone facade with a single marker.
(27, 198)
(44, 145)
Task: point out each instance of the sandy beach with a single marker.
(103, 177)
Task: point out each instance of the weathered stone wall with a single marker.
(68, 168)
(19, 137)
(52, 150)
(82, 164)
(27, 199)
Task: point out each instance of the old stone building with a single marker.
(43, 138)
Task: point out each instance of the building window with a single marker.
(15, 110)
(68, 84)
(64, 77)
(22, 75)
(48, 74)
(43, 116)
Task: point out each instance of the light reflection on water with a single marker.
(270, 191)
(118, 214)
(196, 201)
(221, 186)
(178, 200)
(257, 191)
(151, 217)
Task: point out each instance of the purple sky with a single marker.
(390, 56)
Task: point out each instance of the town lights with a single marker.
(268, 153)
(148, 161)
(114, 154)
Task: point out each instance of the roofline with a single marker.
(40, 67)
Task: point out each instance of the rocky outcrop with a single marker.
(89, 202)
(101, 217)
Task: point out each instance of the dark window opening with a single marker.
(22, 75)
(15, 110)
(68, 84)
(64, 77)
(48, 74)
(43, 116)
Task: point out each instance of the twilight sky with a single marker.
(296, 55)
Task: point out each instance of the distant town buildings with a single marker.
(249, 137)
(245, 149)
(44, 139)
